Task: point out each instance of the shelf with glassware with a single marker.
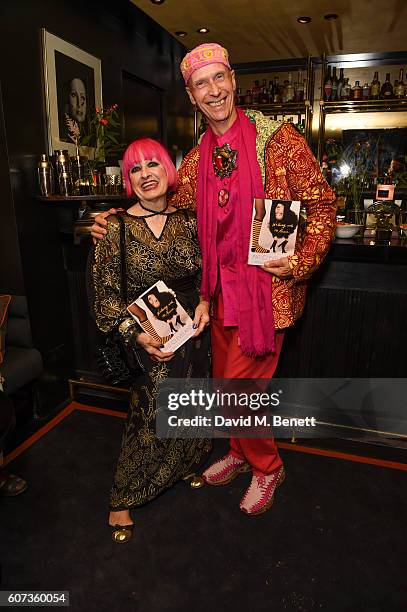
(338, 95)
(289, 98)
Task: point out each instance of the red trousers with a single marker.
(230, 362)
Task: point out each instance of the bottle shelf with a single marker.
(364, 106)
(288, 108)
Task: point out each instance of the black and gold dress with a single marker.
(148, 465)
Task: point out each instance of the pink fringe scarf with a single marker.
(254, 286)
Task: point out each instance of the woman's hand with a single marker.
(152, 347)
(201, 318)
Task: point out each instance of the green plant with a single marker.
(103, 139)
(356, 169)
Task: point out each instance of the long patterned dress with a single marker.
(148, 465)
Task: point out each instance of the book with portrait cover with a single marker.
(274, 230)
(160, 315)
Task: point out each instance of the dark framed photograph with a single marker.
(73, 88)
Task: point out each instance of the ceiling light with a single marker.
(203, 30)
(331, 16)
(157, 1)
(181, 33)
(303, 19)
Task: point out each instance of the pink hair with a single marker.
(147, 148)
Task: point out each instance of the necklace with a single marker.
(153, 213)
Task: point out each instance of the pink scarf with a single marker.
(254, 286)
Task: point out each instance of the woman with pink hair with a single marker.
(161, 244)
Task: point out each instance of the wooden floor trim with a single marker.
(394, 465)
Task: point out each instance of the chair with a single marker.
(22, 364)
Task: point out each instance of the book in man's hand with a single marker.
(274, 230)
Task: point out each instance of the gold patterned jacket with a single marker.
(290, 172)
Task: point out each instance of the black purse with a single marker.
(117, 362)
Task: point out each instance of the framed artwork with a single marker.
(73, 87)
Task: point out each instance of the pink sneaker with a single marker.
(259, 496)
(224, 470)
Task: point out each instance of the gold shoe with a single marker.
(195, 481)
(122, 533)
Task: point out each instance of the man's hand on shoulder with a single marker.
(279, 267)
(98, 229)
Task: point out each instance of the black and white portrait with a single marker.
(75, 93)
(73, 88)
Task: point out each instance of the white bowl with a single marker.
(347, 231)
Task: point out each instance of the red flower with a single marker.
(104, 121)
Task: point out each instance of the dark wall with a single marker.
(11, 272)
(126, 41)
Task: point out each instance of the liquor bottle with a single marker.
(357, 91)
(248, 99)
(327, 93)
(281, 90)
(299, 95)
(375, 87)
(264, 95)
(256, 89)
(290, 89)
(271, 92)
(386, 92)
(238, 96)
(298, 88)
(340, 84)
(400, 88)
(345, 91)
(366, 91)
(334, 95)
(276, 91)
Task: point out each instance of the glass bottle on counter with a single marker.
(238, 96)
(299, 93)
(386, 92)
(345, 91)
(45, 176)
(357, 91)
(281, 91)
(255, 92)
(334, 95)
(264, 96)
(375, 87)
(399, 89)
(248, 99)
(366, 91)
(340, 84)
(64, 176)
(271, 92)
(276, 91)
(290, 91)
(327, 93)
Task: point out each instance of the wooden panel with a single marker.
(347, 333)
(142, 109)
